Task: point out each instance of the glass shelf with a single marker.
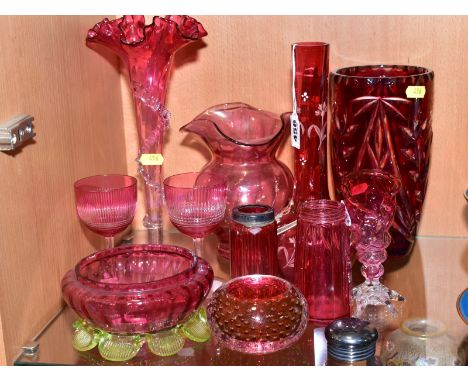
(431, 280)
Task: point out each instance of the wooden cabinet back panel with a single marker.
(47, 71)
(247, 58)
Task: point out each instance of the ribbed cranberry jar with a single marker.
(322, 268)
(254, 242)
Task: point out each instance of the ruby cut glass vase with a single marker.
(381, 118)
(148, 51)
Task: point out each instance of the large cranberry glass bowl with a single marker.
(257, 314)
(137, 289)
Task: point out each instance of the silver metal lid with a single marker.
(253, 214)
(351, 339)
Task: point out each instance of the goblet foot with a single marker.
(379, 305)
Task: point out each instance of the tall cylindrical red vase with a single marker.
(322, 268)
(310, 96)
(308, 137)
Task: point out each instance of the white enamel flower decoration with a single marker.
(320, 131)
(322, 110)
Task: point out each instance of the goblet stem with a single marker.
(109, 242)
(371, 260)
(198, 244)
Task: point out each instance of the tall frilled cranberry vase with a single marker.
(148, 51)
(381, 118)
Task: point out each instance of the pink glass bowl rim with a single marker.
(88, 183)
(416, 71)
(361, 175)
(255, 347)
(219, 183)
(154, 249)
(257, 279)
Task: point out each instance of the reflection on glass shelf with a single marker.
(56, 348)
(431, 279)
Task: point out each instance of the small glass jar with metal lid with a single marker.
(254, 242)
(351, 342)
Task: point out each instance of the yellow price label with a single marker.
(415, 91)
(151, 159)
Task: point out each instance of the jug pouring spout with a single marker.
(198, 126)
(238, 125)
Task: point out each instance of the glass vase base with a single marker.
(379, 305)
(155, 235)
(155, 230)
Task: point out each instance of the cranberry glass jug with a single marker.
(243, 141)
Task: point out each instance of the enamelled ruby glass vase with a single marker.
(381, 118)
(148, 52)
(310, 99)
(308, 123)
(106, 203)
(370, 201)
(196, 203)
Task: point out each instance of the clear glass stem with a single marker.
(198, 244)
(109, 242)
(155, 235)
(153, 204)
(152, 121)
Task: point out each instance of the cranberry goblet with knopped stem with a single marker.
(196, 203)
(106, 203)
(370, 201)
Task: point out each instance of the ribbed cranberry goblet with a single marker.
(106, 203)
(196, 203)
